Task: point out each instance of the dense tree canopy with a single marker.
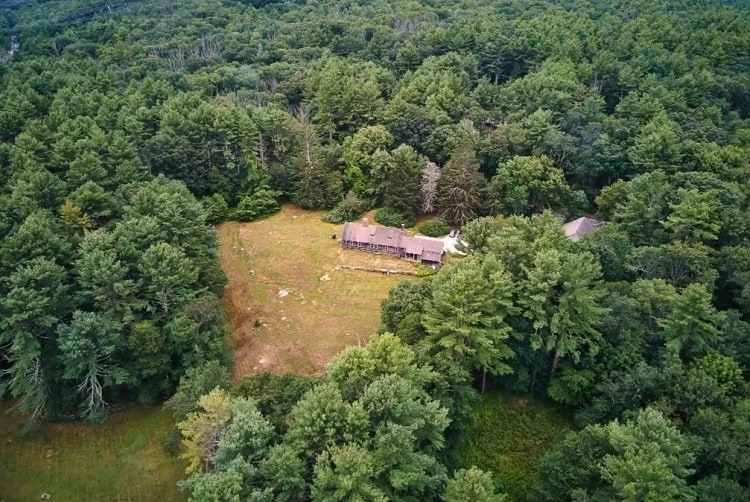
(126, 132)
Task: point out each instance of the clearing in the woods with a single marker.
(288, 304)
(510, 436)
(121, 459)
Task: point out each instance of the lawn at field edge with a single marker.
(288, 306)
(119, 460)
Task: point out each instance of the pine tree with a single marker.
(466, 317)
(472, 485)
(74, 219)
(401, 188)
(460, 186)
(561, 296)
(202, 430)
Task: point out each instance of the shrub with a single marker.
(434, 228)
(260, 204)
(390, 218)
(349, 209)
(216, 207)
(425, 271)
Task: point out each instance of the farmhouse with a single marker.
(394, 241)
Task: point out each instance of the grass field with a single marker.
(288, 306)
(120, 460)
(509, 438)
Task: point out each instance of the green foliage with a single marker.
(358, 154)
(201, 427)
(129, 281)
(425, 270)
(76, 221)
(275, 395)
(347, 96)
(476, 235)
(263, 202)
(405, 299)
(391, 218)
(434, 228)
(509, 437)
(197, 381)
(724, 370)
(369, 428)
(148, 344)
(247, 102)
(646, 458)
(398, 178)
(562, 302)
(320, 184)
(469, 485)
(658, 145)
(216, 208)
(578, 204)
(695, 217)
(460, 186)
(168, 277)
(87, 345)
(349, 209)
(609, 198)
(713, 488)
(467, 315)
(526, 185)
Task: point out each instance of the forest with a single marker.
(129, 129)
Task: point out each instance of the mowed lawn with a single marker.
(288, 306)
(120, 460)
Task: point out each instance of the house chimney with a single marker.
(403, 229)
(365, 222)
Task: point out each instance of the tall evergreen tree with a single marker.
(461, 185)
(401, 184)
(467, 315)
